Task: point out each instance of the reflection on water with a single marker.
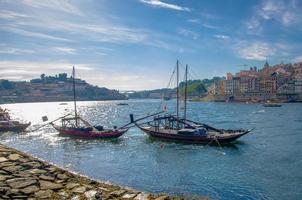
(263, 165)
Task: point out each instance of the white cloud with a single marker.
(269, 8)
(101, 31)
(48, 24)
(161, 4)
(51, 27)
(59, 5)
(92, 73)
(285, 12)
(254, 50)
(34, 34)
(253, 26)
(210, 26)
(7, 14)
(193, 21)
(28, 69)
(12, 78)
(65, 50)
(126, 78)
(14, 71)
(28, 65)
(14, 51)
(298, 59)
(97, 50)
(223, 37)
(127, 81)
(101, 53)
(288, 18)
(188, 33)
(261, 50)
(104, 32)
(210, 16)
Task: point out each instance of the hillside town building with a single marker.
(282, 81)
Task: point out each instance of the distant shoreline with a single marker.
(58, 101)
(79, 100)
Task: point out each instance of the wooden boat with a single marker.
(76, 126)
(122, 104)
(13, 126)
(169, 127)
(176, 128)
(167, 98)
(272, 105)
(88, 131)
(7, 124)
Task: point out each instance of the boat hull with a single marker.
(15, 128)
(272, 105)
(106, 134)
(193, 138)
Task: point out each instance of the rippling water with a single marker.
(266, 164)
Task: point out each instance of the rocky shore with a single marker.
(25, 177)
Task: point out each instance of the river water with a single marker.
(266, 164)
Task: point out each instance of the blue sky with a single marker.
(134, 44)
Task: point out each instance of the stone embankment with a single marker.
(25, 177)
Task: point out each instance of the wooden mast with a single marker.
(186, 92)
(177, 93)
(74, 97)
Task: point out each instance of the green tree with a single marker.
(62, 77)
(7, 85)
(42, 76)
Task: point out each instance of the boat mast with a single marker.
(74, 97)
(186, 92)
(177, 93)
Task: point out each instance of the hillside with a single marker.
(196, 88)
(53, 88)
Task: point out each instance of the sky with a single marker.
(134, 44)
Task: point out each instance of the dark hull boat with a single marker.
(223, 139)
(90, 132)
(174, 128)
(7, 124)
(122, 104)
(167, 98)
(13, 126)
(272, 105)
(165, 127)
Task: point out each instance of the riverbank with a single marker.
(25, 177)
(11, 100)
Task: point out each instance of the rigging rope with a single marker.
(182, 66)
(169, 85)
(164, 93)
